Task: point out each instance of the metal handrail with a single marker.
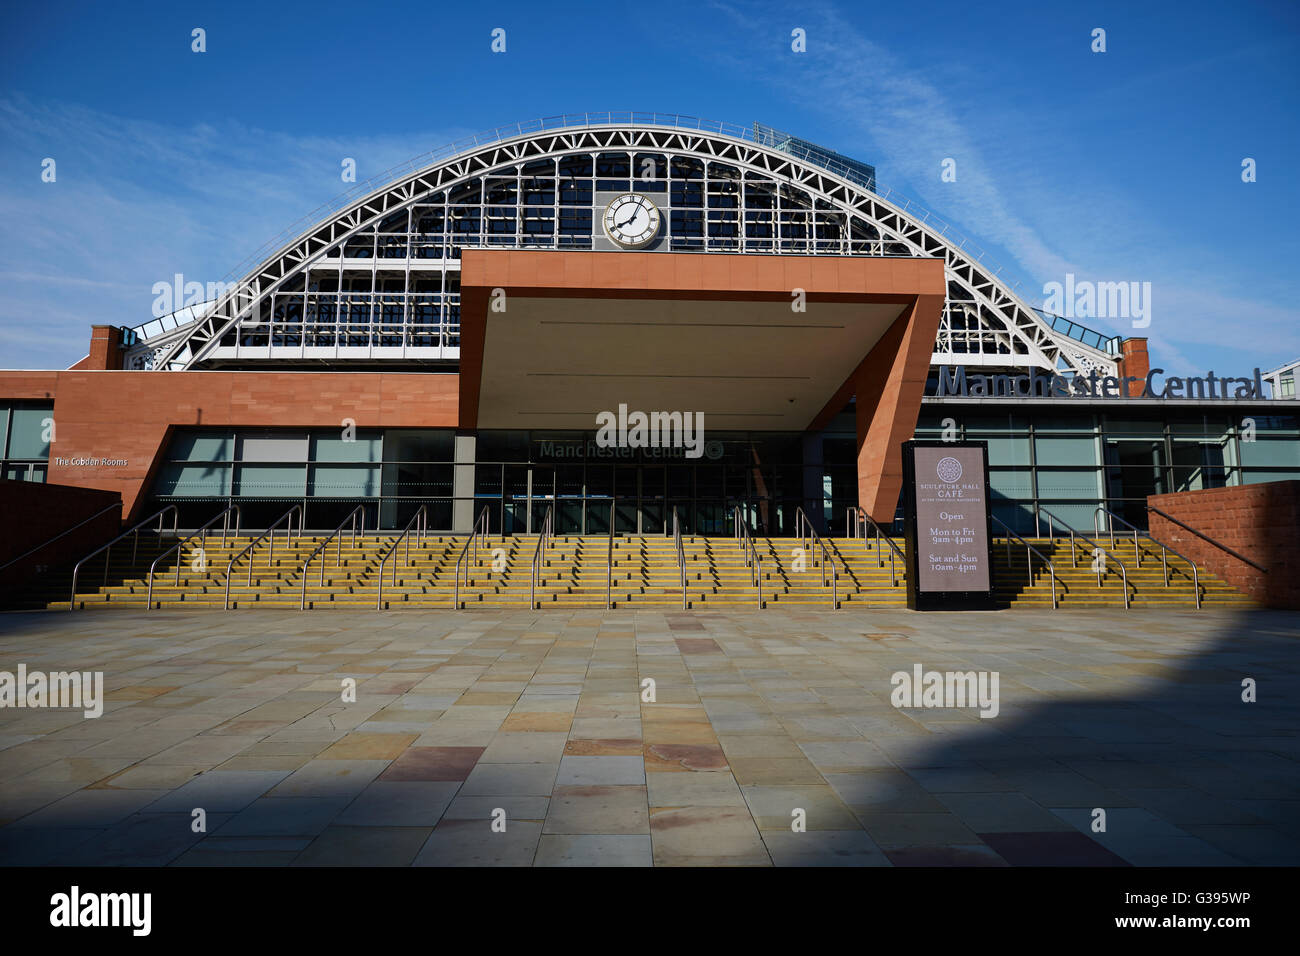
(1029, 549)
(802, 521)
(475, 533)
(681, 554)
(609, 557)
(338, 557)
(45, 544)
(1096, 529)
(750, 550)
(548, 527)
(864, 519)
(420, 518)
(1074, 558)
(135, 547)
(223, 513)
(1206, 537)
(288, 539)
(1164, 549)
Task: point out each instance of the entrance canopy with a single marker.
(551, 339)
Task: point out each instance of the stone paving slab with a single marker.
(518, 738)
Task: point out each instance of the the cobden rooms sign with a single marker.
(92, 462)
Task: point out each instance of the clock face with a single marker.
(632, 221)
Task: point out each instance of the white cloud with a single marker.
(895, 113)
(137, 201)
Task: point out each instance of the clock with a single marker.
(632, 221)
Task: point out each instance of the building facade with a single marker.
(451, 334)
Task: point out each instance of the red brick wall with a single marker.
(105, 348)
(888, 383)
(1260, 522)
(35, 512)
(1134, 361)
(128, 416)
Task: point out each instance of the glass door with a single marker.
(1134, 469)
(541, 496)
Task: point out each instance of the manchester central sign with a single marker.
(954, 380)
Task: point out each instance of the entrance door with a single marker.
(541, 497)
(569, 487)
(1134, 470)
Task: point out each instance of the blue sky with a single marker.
(1115, 166)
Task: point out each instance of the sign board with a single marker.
(948, 529)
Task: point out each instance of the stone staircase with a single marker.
(1076, 579)
(421, 573)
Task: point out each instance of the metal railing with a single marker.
(681, 554)
(539, 555)
(860, 521)
(476, 534)
(418, 520)
(135, 547)
(337, 533)
(609, 559)
(1053, 520)
(1205, 537)
(268, 533)
(1110, 344)
(117, 505)
(202, 533)
(806, 532)
(1029, 550)
(1137, 548)
(1110, 529)
(748, 548)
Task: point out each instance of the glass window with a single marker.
(1017, 516)
(344, 481)
(198, 480)
(1270, 453)
(1198, 465)
(1007, 449)
(365, 447)
(202, 446)
(1064, 423)
(274, 481)
(418, 480)
(1077, 516)
(1066, 484)
(271, 446)
(1145, 428)
(29, 431)
(1081, 450)
(1012, 484)
(1203, 428)
(421, 445)
(1010, 422)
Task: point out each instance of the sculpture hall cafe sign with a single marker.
(955, 381)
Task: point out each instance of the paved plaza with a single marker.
(522, 738)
